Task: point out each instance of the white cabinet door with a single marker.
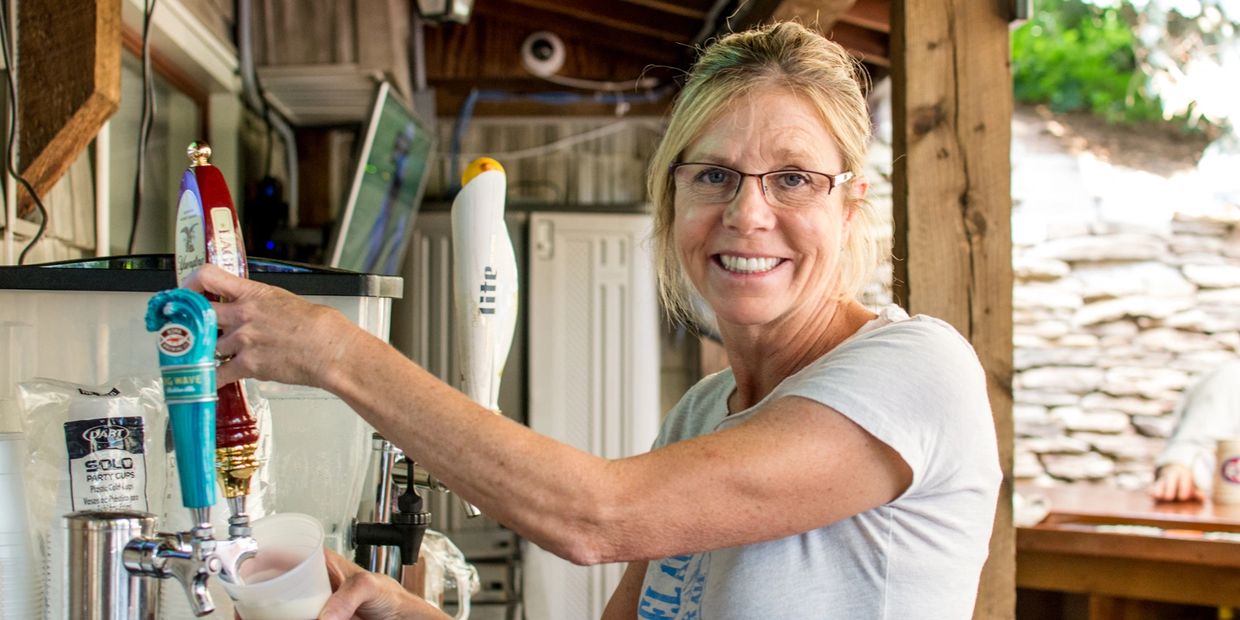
(593, 370)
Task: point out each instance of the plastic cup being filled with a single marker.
(287, 579)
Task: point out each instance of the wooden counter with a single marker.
(1113, 545)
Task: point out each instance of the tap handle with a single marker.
(471, 510)
(186, 326)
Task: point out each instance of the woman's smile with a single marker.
(742, 265)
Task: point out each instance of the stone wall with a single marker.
(1127, 290)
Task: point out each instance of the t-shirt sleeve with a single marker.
(918, 387)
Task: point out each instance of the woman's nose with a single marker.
(749, 210)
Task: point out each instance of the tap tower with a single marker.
(208, 232)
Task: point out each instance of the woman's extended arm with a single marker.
(792, 467)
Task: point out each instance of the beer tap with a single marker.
(484, 270)
(403, 530)
(186, 326)
(211, 233)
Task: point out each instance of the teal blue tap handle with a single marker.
(186, 326)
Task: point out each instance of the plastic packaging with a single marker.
(90, 448)
(446, 568)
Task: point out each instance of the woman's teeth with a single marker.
(740, 264)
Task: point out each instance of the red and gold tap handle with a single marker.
(208, 232)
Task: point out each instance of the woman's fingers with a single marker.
(212, 279)
(345, 601)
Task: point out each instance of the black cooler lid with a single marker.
(149, 273)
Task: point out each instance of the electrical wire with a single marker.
(148, 118)
(466, 112)
(598, 85)
(9, 157)
(567, 141)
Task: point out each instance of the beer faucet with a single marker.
(403, 530)
(186, 326)
(484, 271)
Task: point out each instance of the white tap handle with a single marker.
(486, 288)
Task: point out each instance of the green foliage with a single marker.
(1076, 57)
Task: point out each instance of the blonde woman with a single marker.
(844, 466)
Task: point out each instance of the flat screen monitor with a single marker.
(386, 191)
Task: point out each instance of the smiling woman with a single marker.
(844, 466)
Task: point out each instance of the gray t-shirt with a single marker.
(916, 385)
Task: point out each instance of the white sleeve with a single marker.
(1211, 411)
(918, 387)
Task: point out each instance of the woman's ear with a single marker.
(858, 188)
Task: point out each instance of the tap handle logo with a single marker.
(486, 301)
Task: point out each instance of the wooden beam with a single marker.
(952, 114)
(69, 76)
(670, 7)
(870, 14)
(752, 13)
(820, 13)
(620, 16)
(487, 55)
(508, 14)
(866, 45)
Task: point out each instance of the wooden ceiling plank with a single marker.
(620, 16)
(820, 13)
(871, 14)
(867, 45)
(753, 13)
(670, 7)
(645, 48)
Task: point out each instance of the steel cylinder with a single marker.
(98, 586)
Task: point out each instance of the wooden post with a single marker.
(952, 113)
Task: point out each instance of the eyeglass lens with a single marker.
(713, 184)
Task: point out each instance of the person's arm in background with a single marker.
(1211, 411)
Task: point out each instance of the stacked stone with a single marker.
(1112, 322)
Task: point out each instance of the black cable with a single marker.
(8, 65)
(266, 121)
(148, 118)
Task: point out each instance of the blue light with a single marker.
(271, 245)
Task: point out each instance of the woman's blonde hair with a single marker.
(784, 55)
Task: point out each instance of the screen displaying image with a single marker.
(386, 191)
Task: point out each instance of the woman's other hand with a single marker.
(1175, 484)
(271, 334)
(358, 593)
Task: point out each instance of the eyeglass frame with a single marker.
(833, 180)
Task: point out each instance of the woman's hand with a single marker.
(361, 594)
(1175, 484)
(271, 334)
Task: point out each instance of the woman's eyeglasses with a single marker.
(712, 183)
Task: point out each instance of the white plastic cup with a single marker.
(12, 453)
(13, 517)
(287, 580)
(1227, 472)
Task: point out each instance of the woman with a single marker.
(844, 466)
(1210, 412)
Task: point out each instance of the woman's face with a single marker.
(757, 261)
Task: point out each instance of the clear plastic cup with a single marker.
(287, 580)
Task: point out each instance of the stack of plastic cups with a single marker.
(21, 577)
